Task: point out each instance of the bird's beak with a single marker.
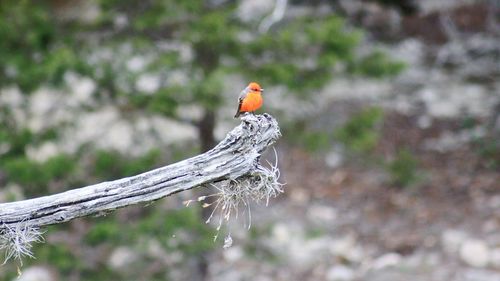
(262, 90)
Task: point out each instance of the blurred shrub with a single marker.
(105, 230)
(59, 167)
(360, 133)
(159, 224)
(35, 176)
(404, 169)
(378, 65)
(179, 231)
(27, 173)
(488, 148)
(316, 141)
(112, 164)
(304, 134)
(34, 49)
(59, 256)
(255, 249)
(170, 227)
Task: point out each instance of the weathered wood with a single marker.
(236, 156)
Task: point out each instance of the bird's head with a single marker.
(255, 87)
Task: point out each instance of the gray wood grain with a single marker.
(235, 156)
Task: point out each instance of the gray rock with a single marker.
(347, 249)
(12, 192)
(36, 273)
(233, 254)
(334, 158)
(452, 239)
(251, 10)
(289, 241)
(475, 253)
(480, 275)
(305, 254)
(321, 214)
(121, 258)
(340, 273)
(495, 258)
(387, 260)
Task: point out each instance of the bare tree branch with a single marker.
(235, 157)
(276, 16)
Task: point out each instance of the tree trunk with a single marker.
(206, 128)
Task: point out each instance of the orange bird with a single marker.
(250, 99)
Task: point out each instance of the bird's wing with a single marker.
(242, 96)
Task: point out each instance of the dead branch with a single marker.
(236, 157)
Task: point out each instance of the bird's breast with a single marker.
(252, 102)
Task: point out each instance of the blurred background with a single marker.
(390, 114)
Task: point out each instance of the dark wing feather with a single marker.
(238, 111)
(242, 96)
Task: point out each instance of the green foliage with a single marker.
(34, 49)
(16, 141)
(163, 226)
(180, 231)
(27, 173)
(59, 256)
(360, 133)
(35, 176)
(488, 149)
(167, 226)
(404, 169)
(111, 164)
(106, 230)
(303, 134)
(164, 102)
(316, 141)
(253, 249)
(278, 56)
(59, 166)
(378, 65)
(316, 232)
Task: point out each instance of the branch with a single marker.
(237, 156)
(277, 15)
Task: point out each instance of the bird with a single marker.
(250, 99)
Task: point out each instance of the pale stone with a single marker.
(340, 273)
(321, 214)
(346, 248)
(281, 233)
(253, 10)
(11, 192)
(11, 96)
(475, 253)
(387, 260)
(451, 240)
(136, 63)
(122, 257)
(148, 83)
(495, 258)
(35, 273)
(233, 254)
(43, 152)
